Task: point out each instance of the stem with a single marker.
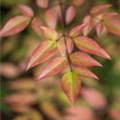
(64, 36)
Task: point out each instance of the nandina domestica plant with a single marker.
(59, 46)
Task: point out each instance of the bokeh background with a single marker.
(24, 99)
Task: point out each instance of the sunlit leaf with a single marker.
(25, 10)
(100, 9)
(83, 59)
(42, 53)
(89, 45)
(70, 14)
(51, 18)
(15, 25)
(71, 85)
(42, 3)
(53, 67)
(49, 33)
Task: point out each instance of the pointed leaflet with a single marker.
(99, 29)
(51, 18)
(85, 72)
(53, 67)
(77, 30)
(89, 21)
(42, 3)
(14, 25)
(42, 53)
(70, 14)
(110, 16)
(49, 33)
(25, 10)
(62, 48)
(100, 9)
(113, 26)
(89, 45)
(36, 24)
(71, 85)
(83, 59)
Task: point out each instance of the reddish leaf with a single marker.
(89, 21)
(51, 18)
(42, 53)
(70, 14)
(77, 30)
(71, 85)
(15, 25)
(110, 16)
(21, 98)
(94, 98)
(85, 72)
(25, 10)
(49, 33)
(88, 45)
(113, 26)
(36, 24)
(62, 48)
(99, 29)
(79, 113)
(78, 2)
(53, 67)
(83, 59)
(100, 9)
(42, 3)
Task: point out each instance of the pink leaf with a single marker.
(70, 14)
(14, 25)
(53, 67)
(42, 3)
(94, 98)
(99, 29)
(49, 33)
(42, 53)
(110, 16)
(113, 26)
(79, 113)
(36, 24)
(71, 85)
(51, 18)
(100, 9)
(25, 10)
(85, 72)
(89, 45)
(21, 98)
(89, 21)
(77, 30)
(83, 59)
